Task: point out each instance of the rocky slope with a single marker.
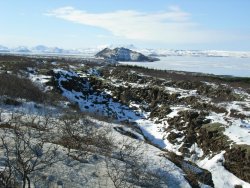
(201, 123)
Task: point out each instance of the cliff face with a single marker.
(123, 54)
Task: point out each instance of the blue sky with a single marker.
(171, 24)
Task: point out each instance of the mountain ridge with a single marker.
(43, 49)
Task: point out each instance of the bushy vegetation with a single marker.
(32, 144)
(17, 87)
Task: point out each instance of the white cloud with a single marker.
(171, 26)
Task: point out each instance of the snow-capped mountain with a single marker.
(128, 46)
(90, 52)
(195, 53)
(55, 50)
(40, 48)
(4, 49)
(113, 46)
(21, 49)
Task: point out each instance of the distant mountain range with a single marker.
(90, 52)
(4, 49)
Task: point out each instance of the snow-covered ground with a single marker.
(92, 173)
(221, 177)
(238, 131)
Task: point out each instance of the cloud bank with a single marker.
(171, 26)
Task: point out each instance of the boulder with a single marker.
(237, 161)
(160, 112)
(211, 138)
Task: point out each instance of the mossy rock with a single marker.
(212, 138)
(160, 112)
(193, 173)
(172, 137)
(214, 127)
(237, 161)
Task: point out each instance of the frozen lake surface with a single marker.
(213, 65)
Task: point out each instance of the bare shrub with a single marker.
(83, 137)
(128, 168)
(14, 86)
(25, 151)
(16, 63)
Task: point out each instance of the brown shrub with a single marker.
(16, 87)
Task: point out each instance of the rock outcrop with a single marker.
(237, 161)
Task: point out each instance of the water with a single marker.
(213, 65)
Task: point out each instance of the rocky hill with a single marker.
(121, 126)
(123, 54)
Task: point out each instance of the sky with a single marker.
(170, 24)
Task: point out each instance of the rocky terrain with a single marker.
(123, 54)
(179, 129)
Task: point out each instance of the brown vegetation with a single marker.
(16, 87)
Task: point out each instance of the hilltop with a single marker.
(123, 54)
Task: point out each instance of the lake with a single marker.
(213, 65)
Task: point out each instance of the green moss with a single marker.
(214, 127)
(243, 147)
